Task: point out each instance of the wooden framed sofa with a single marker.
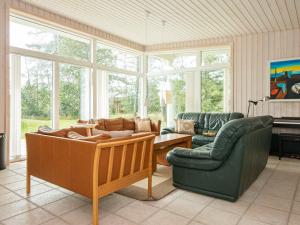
(89, 168)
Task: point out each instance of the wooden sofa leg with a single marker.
(95, 210)
(27, 180)
(150, 185)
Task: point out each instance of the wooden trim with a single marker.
(95, 187)
(110, 163)
(133, 158)
(122, 167)
(143, 155)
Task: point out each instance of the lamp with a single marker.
(266, 98)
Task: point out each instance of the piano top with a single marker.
(287, 122)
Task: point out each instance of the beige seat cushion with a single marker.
(113, 134)
(95, 138)
(185, 126)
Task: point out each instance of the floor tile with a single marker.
(114, 202)
(296, 208)
(47, 197)
(198, 198)
(267, 215)
(294, 219)
(164, 217)
(274, 202)
(35, 190)
(64, 205)
(239, 207)
(115, 220)
(55, 221)
(195, 223)
(19, 185)
(8, 198)
(33, 217)
(11, 179)
(185, 207)
(82, 215)
(213, 216)
(137, 211)
(15, 208)
(251, 222)
(3, 190)
(249, 196)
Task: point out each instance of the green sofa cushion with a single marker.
(202, 152)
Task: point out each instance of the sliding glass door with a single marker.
(31, 94)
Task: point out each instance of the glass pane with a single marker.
(166, 97)
(36, 96)
(24, 34)
(73, 46)
(74, 94)
(212, 91)
(215, 57)
(123, 95)
(116, 58)
(169, 62)
(33, 36)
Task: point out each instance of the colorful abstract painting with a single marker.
(285, 79)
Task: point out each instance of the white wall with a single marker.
(251, 56)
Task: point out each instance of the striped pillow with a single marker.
(49, 131)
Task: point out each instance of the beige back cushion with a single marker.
(142, 125)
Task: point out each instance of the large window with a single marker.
(110, 57)
(180, 82)
(75, 92)
(123, 95)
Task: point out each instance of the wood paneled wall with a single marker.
(251, 54)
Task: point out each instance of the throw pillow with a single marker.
(49, 131)
(209, 133)
(74, 135)
(142, 125)
(185, 126)
(113, 124)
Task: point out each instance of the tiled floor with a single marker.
(274, 199)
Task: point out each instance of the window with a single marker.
(182, 82)
(212, 91)
(123, 95)
(74, 94)
(115, 58)
(169, 62)
(33, 36)
(31, 94)
(213, 57)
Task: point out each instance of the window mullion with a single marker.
(55, 95)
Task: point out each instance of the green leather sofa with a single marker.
(204, 122)
(226, 167)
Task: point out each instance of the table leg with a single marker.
(154, 162)
(88, 132)
(280, 149)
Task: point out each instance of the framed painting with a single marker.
(285, 79)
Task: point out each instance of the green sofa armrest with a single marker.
(197, 153)
(193, 163)
(168, 130)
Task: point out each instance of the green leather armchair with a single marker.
(204, 122)
(226, 167)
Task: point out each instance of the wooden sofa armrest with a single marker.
(155, 126)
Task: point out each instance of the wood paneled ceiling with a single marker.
(185, 19)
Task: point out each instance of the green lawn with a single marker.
(31, 125)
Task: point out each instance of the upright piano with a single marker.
(286, 136)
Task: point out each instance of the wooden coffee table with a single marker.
(165, 143)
